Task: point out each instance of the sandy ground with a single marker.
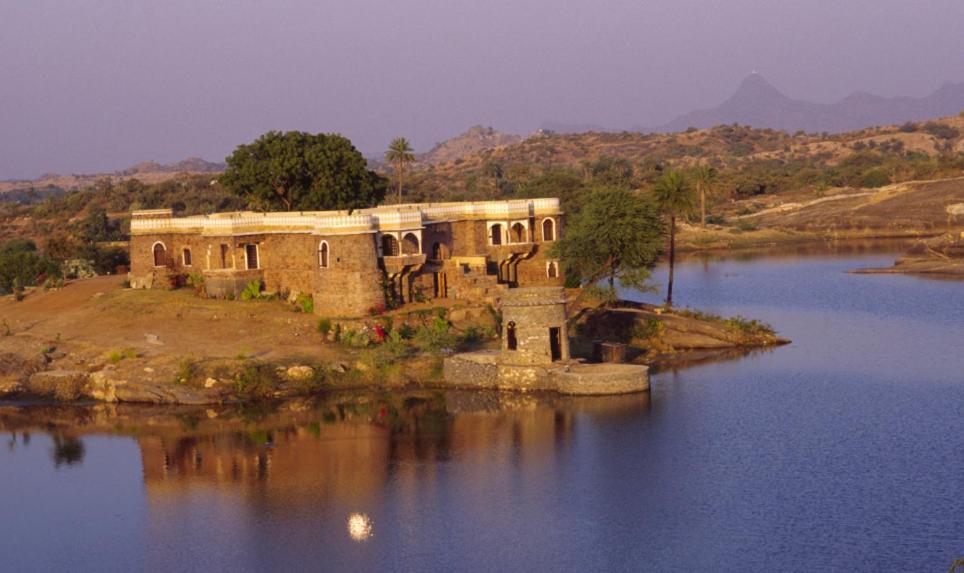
(99, 313)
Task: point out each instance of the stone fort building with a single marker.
(352, 262)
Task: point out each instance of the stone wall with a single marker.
(352, 283)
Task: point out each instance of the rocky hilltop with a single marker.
(477, 138)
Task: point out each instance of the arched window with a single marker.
(389, 246)
(518, 233)
(510, 340)
(323, 255)
(186, 257)
(548, 230)
(552, 269)
(495, 234)
(158, 250)
(410, 244)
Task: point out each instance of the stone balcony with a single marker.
(397, 264)
(504, 251)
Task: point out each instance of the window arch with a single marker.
(159, 250)
(389, 246)
(323, 255)
(186, 257)
(511, 342)
(410, 244)
(518, 233)
(552, 269)
(548, 230)
(495, 234)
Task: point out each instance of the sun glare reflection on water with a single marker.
(359, 526)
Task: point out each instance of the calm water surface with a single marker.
(843, 451)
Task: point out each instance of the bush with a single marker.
(255, 381)
(909, 127)
(20, 261)
(252, 291)
(941, 131)
(305, 303)
(434, 337)
(875, 178)
(324, 326)
(744, 226)
(748, 325)
(196, 281)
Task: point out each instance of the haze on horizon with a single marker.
(97, 86)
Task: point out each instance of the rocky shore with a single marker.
(96, 341)
(938, 256)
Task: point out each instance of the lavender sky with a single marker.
(97, 85)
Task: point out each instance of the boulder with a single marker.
(300, 372)
(64, 385)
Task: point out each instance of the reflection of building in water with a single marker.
(335, 452)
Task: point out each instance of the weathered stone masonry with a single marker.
(347, 261)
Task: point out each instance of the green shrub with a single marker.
(252, 291)
(115, 356)
(324, 326)
(748, 325)
(434, 337)
(187, 372)
(744, 226)
(255, 381)
(875, 178)
(305, 303)
(196, 281)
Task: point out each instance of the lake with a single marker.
(843, 451)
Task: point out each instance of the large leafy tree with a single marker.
(615, 235)
(675, 197)
(298, 171)
(400, 156)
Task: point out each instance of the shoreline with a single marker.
(170, 347)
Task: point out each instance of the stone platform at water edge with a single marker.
(484, 370)
(535, 353)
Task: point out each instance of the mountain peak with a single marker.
(756, 86)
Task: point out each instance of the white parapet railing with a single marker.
(389, 218)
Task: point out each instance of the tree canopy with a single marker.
(617, 234)
(298, 171)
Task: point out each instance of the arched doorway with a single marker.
(552, 270)
(389, 246)
(518, 233)
(410, 244)
(159, 252)
(548, 230)
(495, 234)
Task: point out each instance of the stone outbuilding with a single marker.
(534, 353)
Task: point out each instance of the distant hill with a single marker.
(758, 104)
(560, 127)
(189, 165)
(477, 138)
(146, 172)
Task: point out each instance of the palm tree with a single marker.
(705, 177)
(675, 198)
(399, 155)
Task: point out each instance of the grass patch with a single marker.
(116, 356)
